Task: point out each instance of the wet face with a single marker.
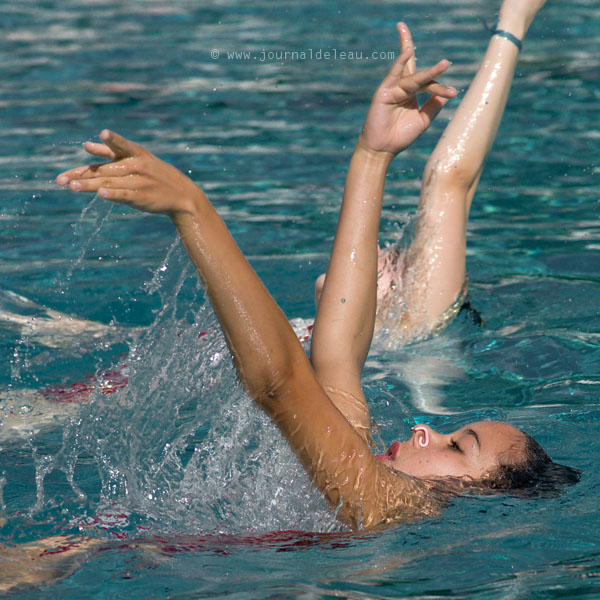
(471, 451)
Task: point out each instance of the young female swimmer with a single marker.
(308, 402)
(318, 405)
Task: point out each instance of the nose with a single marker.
(423, 436)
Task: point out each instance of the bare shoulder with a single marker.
(399, 498)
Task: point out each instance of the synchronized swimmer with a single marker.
(317, 402)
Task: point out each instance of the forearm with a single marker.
(263, 345)
(459, 155)
(347, 306)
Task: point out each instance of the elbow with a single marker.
(266, 389)
(450, 172)
(269, 381)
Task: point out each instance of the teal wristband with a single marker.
(507, 35)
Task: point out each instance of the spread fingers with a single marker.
(421, 80)
(99, 150)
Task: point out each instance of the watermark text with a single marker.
(301, 55)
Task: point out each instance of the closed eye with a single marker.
(455, 446)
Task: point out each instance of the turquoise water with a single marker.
(179, 462)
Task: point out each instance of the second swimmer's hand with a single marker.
(133, 176)
(395, 120)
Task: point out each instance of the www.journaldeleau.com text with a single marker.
(308, 54)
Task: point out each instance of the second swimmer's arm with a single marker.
(455, 166)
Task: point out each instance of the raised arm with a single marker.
(454, 168)
(346, 312)
(270, 361)
(260, 339)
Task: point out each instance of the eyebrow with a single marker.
(470, 431)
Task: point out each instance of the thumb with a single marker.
(119, 145)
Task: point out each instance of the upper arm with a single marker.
(436, 257)
(354, 408)
(342, 336)
(362, 490)
(341, 383)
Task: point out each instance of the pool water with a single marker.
(193, 490)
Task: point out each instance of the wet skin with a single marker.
(471, 451)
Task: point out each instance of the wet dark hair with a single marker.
(537, 475)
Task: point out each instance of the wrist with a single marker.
(191, 205)
(512, 24)
(374, 158)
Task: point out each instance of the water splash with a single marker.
(83, 239)
(181, 448)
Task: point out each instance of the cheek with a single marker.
(437, 463)
(419, 463)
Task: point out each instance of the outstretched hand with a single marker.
(133, 176)
(395, 120)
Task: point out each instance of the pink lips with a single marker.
(391, 452)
